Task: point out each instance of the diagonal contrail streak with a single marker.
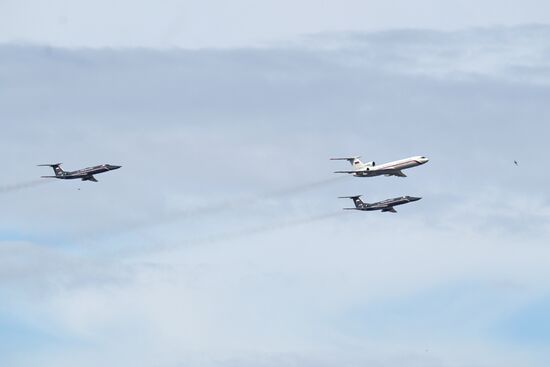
(237, 234)
(269, 227)
(21, 186)
(219, 206)
(253, 199)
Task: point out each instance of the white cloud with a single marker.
(516, 54)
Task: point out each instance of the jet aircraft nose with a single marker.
(112, 167)
(413, 198)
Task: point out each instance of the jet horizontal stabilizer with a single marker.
(345, 158)
(49, 164)
(350, 197)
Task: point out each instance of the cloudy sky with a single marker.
(226, 24)
(221, 241)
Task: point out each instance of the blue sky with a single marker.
(221, 241)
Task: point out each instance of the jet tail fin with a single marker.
(56, 168)
(355, 163)
(356, 199)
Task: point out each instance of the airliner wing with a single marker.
(392, 172)
(387, 172)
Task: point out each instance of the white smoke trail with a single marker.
(220, 206)
(231, 235)
(269, 227)
(21, 186)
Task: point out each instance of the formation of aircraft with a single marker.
(370, 169)
(359, 169)
(85, 174)
(384, 205)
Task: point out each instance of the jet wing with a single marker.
(393, 172)
(89, 178)
(373, 172)
(390, 209)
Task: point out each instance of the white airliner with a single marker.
(370, 169)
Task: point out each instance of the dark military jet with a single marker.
(385, 205)
(85, 174)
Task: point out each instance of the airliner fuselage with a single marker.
(370, 169)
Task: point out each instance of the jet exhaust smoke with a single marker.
(242, 233)
(250, 200)
(270, 227)
(220, 206)
(21, 186)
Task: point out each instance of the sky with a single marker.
(221, 240)
(242, 23)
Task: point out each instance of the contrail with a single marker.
(218, 206)
(250, 200)
(271, 227)
(242, 233)
(21, 186)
